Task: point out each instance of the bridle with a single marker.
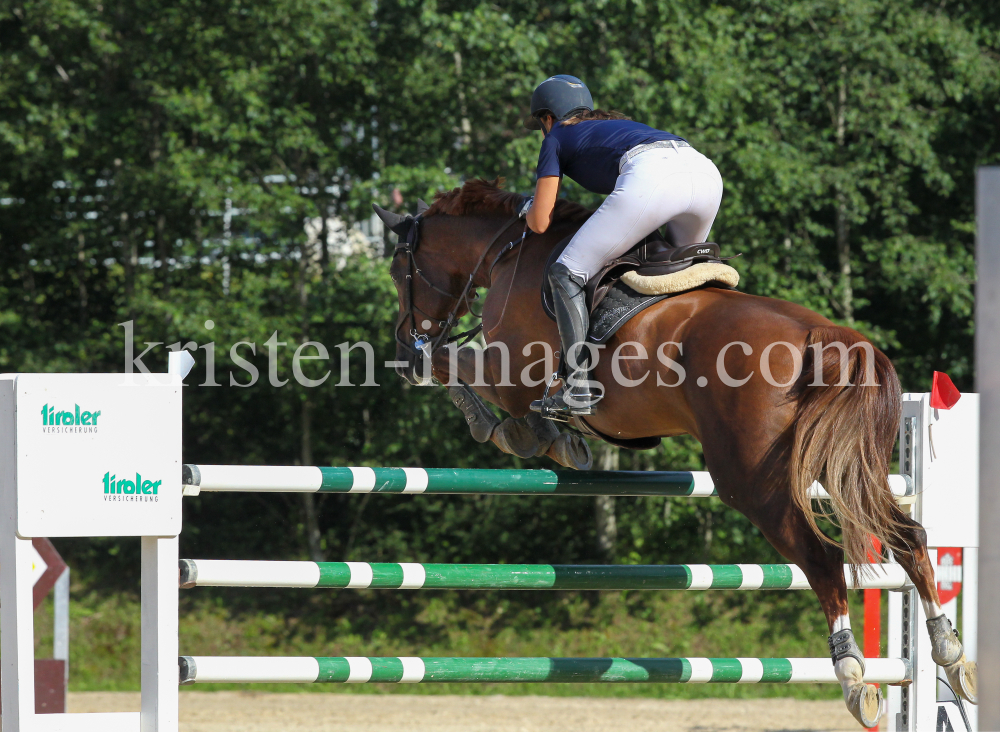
(422, 342)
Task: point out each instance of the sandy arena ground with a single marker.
(258, 712)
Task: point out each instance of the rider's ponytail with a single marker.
(588, 114)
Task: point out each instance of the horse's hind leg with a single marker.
(785, 527)
(946, 648)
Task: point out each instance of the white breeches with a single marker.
(678, 187)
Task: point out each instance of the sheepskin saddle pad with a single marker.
(697, 275)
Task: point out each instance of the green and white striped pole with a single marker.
(412, 670)
(413, 576)
(308, 479)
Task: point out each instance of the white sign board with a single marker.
(94, 454)
(949, 454)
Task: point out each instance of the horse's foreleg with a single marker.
(533, 436)
(525, 437)
(480, 418)
(467, 393)
(470, 392)
(785, 527)
(513, 436)
(568, 449)
(946, 648)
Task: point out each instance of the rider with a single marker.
(651, 178)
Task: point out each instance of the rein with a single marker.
(422, 342)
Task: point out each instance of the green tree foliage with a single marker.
(173, 164)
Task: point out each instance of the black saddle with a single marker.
(611, 302)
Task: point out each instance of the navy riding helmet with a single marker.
(560, 95)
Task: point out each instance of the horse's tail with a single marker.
(845, 427)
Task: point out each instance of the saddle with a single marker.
(612, 302)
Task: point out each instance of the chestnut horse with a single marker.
(778, 396)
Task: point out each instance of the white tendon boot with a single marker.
(863, 700)
(947, 652)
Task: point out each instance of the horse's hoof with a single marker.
(864, 701)
(515, 437)
(946, 648)
(963, 676)
(544, 430)
(478, 416)
(571, 451)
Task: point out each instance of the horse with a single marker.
(778, 396)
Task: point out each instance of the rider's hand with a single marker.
(523, 211)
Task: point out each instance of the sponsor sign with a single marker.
(949, 573)
(95, 455)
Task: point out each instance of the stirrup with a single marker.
(554, 407)
(549, 406)
(551, 410)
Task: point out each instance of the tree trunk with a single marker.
(844, 259)
(227, 237)
(163, 254)
(604, 509)
(30, 288)
(324, 246)
(314, 538)
(81, 279)
(465, 132)
(706, 519)
(130, 255)
(842, 225)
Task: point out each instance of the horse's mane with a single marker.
(481, 196)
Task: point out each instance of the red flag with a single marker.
(944, 395)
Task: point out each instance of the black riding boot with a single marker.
(569, 300)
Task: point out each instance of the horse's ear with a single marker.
(421, 206)
(396, 223)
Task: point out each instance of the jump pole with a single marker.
(415, 576)
(465, 670)
(466, 481)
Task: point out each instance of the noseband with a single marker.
(422, 342)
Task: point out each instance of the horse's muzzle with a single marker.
(406, 373)
(413, 369)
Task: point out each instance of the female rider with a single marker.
(651, 178)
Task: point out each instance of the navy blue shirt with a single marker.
(589, 152)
